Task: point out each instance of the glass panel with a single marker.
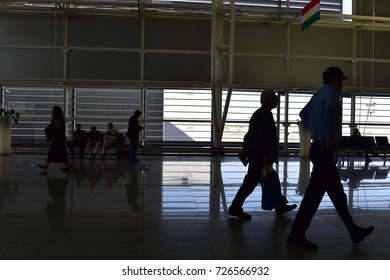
(187, 115)
(98, 107)
(241, 107)
(35, 105)
(176, 115)
(296, 103)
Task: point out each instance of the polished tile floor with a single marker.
(170, 207)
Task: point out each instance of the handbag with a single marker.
(49, 132)
(271, 190)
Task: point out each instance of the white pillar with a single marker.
(5, 137)
(305, 141)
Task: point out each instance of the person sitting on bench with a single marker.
(357, 140)
(110, 138)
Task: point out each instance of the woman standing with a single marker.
(56, 132)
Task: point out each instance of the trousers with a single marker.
(251, 180)
(324, 178)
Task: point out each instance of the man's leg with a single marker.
(105, 144)
(89, 147)
(312, 198)
(336, 193)
(133, 149)
(71, 148)
(81, 148)
(251, 180)
(97, 146)
(313, 195)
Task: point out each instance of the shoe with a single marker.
(239, 214)
(43, 166)
(302, 242)
(360, 233)
(93, 156)
(103, 156)
(368, 160)
(242, 157)
(284, 208)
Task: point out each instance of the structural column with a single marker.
(222, 58)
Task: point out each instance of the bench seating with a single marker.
(124, 144)
(382, 145)
(378, 144)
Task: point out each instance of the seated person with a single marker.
(79, 138)
(94, 140)
(357, 140)
(110, 138)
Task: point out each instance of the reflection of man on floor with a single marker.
(56, 208)
(132, 188)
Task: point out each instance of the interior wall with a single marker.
(31, 46)
(367, 7)
(177, 50)
(95, 48)
(103, 47)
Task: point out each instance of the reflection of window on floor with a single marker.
(185, 187)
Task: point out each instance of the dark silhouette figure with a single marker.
(357, 140)
(94, 141)
(56, 133)
(78, 139)
(133, 133)
(110, 137)
(323, 116)
(262, 151)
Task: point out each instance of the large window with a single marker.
(187, 115)
(372, 114)
(98, 107)
(179, 115)
(242, 105)
(34, 105)
(295, 102)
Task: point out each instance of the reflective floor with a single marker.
(176, 208)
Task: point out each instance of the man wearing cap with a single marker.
(323, 116)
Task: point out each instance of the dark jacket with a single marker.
(133, 129)
(262, 136)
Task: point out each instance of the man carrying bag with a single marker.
(261, 151)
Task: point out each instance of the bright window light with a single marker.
(347, 7)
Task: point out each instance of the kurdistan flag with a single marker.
(310, 13)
